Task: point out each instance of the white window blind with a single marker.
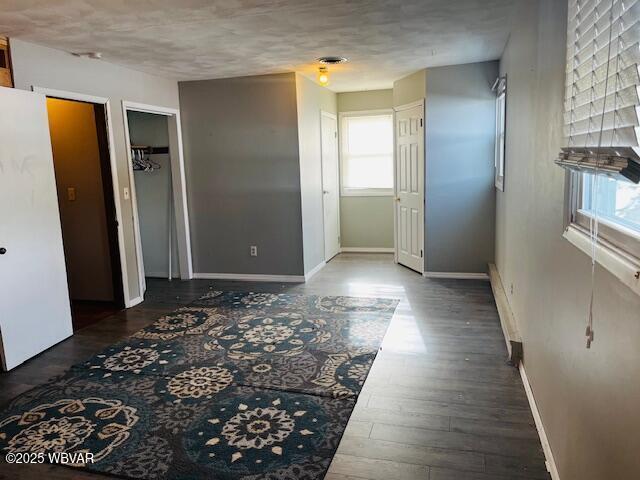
(367, 154)
(602, 98)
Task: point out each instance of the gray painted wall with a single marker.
(46, 67)
(153, 195)
(243, 174)
(311, 99)
(588, 399)
(366, 222)
(459, 150)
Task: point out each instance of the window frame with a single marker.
(618, 247)
(363, 192)
(500, 155)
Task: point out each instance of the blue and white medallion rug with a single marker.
(235, 386)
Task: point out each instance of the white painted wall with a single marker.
(35, 65)
(311, 99)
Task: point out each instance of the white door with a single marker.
(34, 299)
(409, 160)
(330, 185)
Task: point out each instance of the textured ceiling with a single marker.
(200, 39)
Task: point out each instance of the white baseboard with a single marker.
(160, 275)
(367, 250)
(548, 454)
(456, 275)
(507, 319)
(251, 277)
(314, 270)
(134, 301)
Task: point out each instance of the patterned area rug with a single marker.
(234, 386)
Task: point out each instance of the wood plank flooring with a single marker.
(440, 403)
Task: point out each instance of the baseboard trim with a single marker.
(135, 301)
(160, 275)
(314, 270)
(456, 275)
(366, 250)
(507, 319)
(548, 454)
(251, 277)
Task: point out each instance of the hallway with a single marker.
(440, 402)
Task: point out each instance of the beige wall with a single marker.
(365, 100)
(366, 222)
(311, 99)
(76, 158)
(410, 88)
(46, 67)
(588, 399)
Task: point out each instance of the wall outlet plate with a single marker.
(253, 251)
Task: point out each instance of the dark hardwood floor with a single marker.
(440, 403)
(85, 313)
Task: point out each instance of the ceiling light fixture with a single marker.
(323, 76)
(331, 60)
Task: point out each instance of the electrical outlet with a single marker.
(253, 251)
(125, 192)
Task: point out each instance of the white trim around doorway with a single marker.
(181, 211)
(81, 97)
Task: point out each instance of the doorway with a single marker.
(79, 141)
(152, 177)
(330, 184)
(153, 137)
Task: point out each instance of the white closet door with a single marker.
(410, 186)
(330, 185)
(34, 299)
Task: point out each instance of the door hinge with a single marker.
(420, 122)
(420, 253)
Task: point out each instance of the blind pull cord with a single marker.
(594, 221)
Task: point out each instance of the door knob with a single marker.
(3, 250)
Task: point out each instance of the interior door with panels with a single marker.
(330, 185)
(409, 160)
(35, 313)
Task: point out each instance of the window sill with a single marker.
(366, 192)
(624, 267)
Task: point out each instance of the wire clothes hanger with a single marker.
(141, 159)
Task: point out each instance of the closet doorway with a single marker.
(79, 141)
(158, 193)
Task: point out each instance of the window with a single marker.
(617, 206)
(602, 128)
(501, 120)
(367, 153)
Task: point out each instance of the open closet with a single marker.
(152, 176)
(86, 204)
